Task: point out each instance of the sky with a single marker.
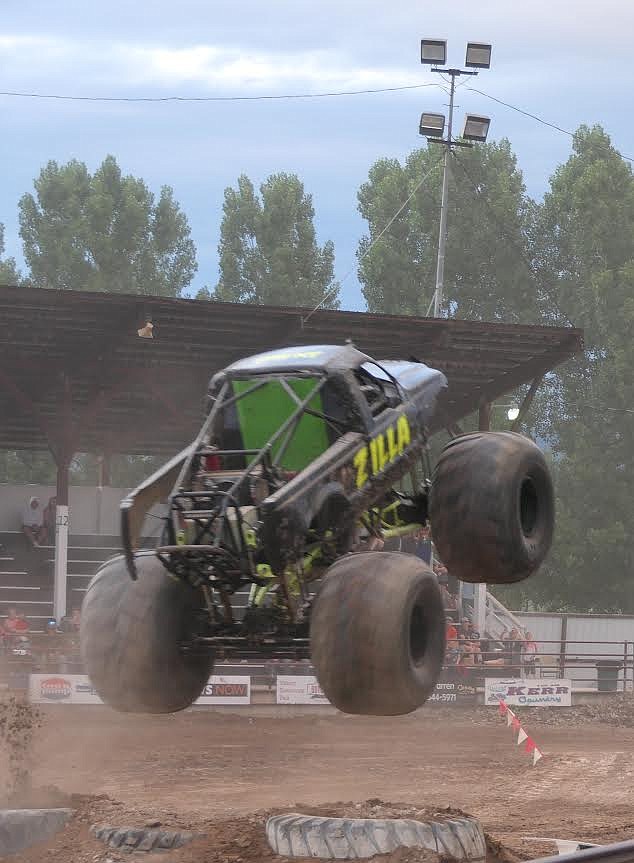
(568, 62)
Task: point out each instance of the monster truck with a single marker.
(296, 479)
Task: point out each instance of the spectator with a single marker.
(467, 654)
(529, 655)
(452, 654)
(10, 621)
(49, 520)
(33, 522)
(72, 622)
(447, 599)
(451, 633)
(514, 652)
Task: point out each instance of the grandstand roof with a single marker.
(74, 370)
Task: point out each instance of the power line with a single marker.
(541, 120)
(263, 98)
(334, 290)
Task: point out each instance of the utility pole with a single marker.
(432, 126)
(444, 204)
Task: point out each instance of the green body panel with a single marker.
(262, 413)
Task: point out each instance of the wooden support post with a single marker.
(528, 401)
(484, 416)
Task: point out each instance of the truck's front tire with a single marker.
(492, 507)
(377, 633)
(131, 637)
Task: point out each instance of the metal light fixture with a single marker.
(476, 128)
(433, 51)
(146, 331)
(478, 55)
(432, 125)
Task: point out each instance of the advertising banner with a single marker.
(453, 692)
(62, 689)
(226, 690)
(77, 689)
(528, 693)
(299, 689)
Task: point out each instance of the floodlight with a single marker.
(478, 55)
(146, 331)
(476, 128)
(433, 51)
(432, 125)
(513, 413)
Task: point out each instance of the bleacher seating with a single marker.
(26, 573)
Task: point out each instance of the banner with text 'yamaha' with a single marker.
(528, 693)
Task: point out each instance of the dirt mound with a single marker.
(615, 710)
(19, 720)
(375, 808)
(234, 840)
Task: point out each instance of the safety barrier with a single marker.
(593, 666)
(618, 852)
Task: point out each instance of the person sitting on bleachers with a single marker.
(71, 622)
(33, 522)
(14, 623)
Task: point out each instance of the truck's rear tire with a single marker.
(131, 632)
(377, 633)
(492, 507)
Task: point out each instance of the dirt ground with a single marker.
(219, 774)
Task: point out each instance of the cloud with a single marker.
(205, 68)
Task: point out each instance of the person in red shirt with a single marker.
(451, 633)
(10, 623)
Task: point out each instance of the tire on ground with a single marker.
(295, 835)
(377, 633)
(131, 632)
(492, 507)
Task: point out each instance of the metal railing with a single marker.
(618, 852)
(601, 666)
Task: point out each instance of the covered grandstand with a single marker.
(76, 376)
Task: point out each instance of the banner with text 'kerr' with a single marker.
(528, 693)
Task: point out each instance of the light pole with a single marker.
(433, 52)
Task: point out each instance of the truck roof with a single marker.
(321, 358)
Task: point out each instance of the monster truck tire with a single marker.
(377, 633)
(297, 835)
(492, 507)
(131, 633)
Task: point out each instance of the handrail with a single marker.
(617, 852)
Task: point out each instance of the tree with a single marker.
(268, 248)
(9, 274)
(585, 250)
(487, 269)
(104, 232)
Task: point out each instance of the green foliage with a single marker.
(487, 271)
(104, 232)
(9, 274)
(268, 248)
(585, 248)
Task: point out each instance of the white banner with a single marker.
(528, 693)
(62, 689)
(299, 689)
(228, 689)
